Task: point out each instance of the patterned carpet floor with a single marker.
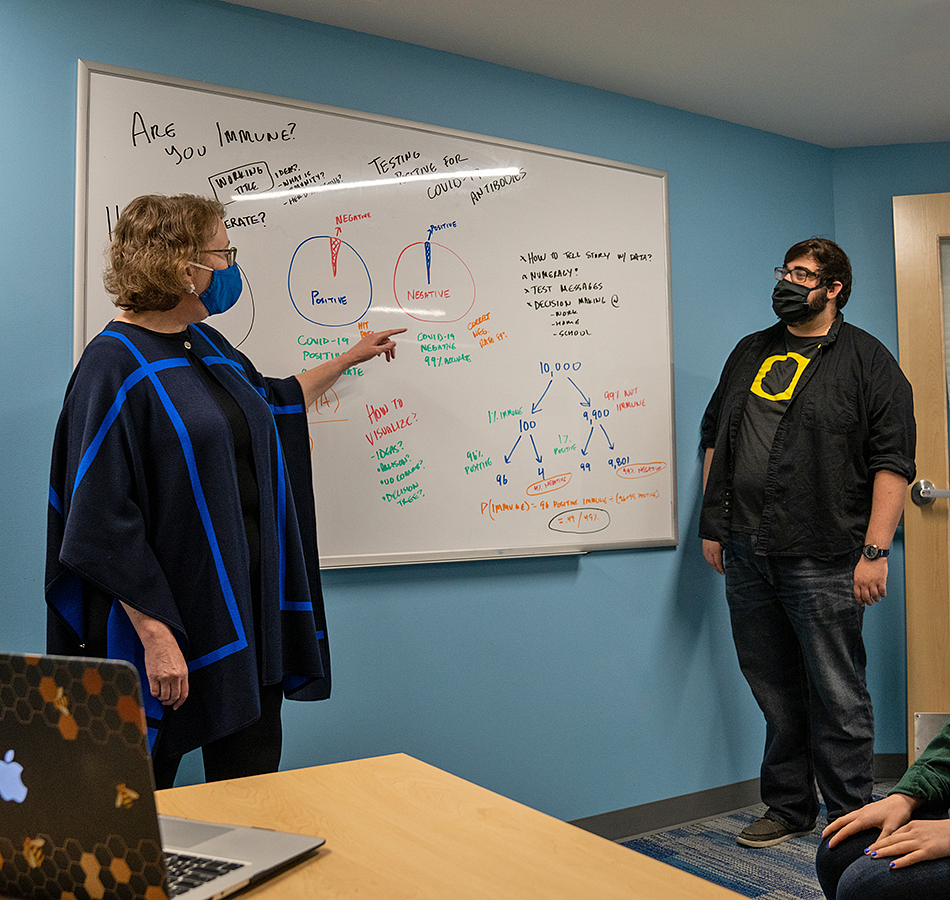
(709, 849)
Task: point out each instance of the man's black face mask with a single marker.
(790, 302)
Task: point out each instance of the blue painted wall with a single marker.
(575, 685)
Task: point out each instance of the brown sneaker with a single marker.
(767, 832)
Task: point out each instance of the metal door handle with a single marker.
(923, 493)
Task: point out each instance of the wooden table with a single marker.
(398, 828)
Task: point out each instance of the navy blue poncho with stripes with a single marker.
(145, 508)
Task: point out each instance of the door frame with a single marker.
(919, 223)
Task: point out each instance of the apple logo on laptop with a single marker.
(11, 785)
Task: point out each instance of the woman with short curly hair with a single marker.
(181, 526)
(154, 238)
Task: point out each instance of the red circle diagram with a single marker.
(432, 283)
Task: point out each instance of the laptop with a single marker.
(77, 796)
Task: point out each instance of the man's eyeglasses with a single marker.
(231, 254)
(799, 275)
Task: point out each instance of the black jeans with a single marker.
(797, 630)
(846, 873)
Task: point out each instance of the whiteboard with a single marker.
(529, 410)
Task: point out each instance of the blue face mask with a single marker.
(224, 290)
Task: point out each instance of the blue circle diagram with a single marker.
(329, 283)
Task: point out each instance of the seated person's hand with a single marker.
(888, 815)
(914, 842)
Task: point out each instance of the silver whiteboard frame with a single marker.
(86, 68)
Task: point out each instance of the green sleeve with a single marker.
(928, 779)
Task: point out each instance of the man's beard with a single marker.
(817, 301)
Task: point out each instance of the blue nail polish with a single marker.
(890, 865)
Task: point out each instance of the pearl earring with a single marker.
(191, 288)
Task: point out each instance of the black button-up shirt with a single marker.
(853, 418)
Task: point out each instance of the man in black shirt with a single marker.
(809, 444)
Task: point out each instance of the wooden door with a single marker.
(919, 224)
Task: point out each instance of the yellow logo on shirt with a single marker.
(801, 362)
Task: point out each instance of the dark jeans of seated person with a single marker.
(845, 872)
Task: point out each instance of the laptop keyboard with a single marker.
(186, 871)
